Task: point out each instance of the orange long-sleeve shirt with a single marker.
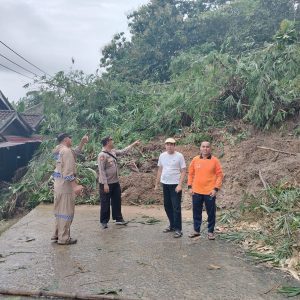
(205, 175)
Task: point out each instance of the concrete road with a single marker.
(138, 260)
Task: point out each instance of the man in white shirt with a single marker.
(171, 172)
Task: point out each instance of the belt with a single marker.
(67, 178)
(57, 175)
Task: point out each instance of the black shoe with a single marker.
(104, 225)
(121, 222)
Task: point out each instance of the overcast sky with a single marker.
(49, 33)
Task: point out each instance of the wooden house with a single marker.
(18, 138)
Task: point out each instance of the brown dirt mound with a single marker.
(243, 163)
(241, 159)
(138, 188)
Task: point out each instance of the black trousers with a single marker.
(172, 204)
(210, 205)
(112, 198)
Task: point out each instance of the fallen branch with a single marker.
(275, 157)
(266, 186)
(56, 295)
(133, 167)
(275, 287)
(136, 167)
(275, 150)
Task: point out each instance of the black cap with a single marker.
(61, 137)
(105, 140)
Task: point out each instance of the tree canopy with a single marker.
(161, 30)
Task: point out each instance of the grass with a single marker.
(150, 202)
(233, 236)
(289, 291)
(227, 217)
(263, 257)
(275, 213)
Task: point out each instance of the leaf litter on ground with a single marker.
(149, 221)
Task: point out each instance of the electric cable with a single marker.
(24, 58)
(18, 65)
(15, 71)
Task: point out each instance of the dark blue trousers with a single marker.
(210, 205)
(172, 204)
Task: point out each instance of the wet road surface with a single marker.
(138, 260)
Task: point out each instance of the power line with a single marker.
(24, 58)
(18, 65)
(15, 71)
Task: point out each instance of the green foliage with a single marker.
(287, 33)
(263, 257)
(158, 33)
(196, 64)
(278, 210)
(162, 30)
(289, 291)
(233, 236)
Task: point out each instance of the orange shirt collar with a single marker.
(208, 157)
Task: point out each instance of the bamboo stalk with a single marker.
(57, 295)
(275, 150)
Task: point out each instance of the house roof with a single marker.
(22, 124)
(4, 104)
(32, 120)
(37, 109)
(33, 138)
(7, 118)
(16, 140)
(10, 144)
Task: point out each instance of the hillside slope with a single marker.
(244, 164)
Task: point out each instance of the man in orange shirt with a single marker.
(204, 181)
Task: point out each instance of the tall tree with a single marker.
(162, 29)
(158, 34)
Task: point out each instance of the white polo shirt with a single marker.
(171, 164)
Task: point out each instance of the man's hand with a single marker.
(213, 193)
(178, 188)
(156, 187)
(106, 188)
(190, 190)
(85, 139)
(77, 189)
(136, 143)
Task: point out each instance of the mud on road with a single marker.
(137, 261)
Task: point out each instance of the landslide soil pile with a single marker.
(244, 164)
